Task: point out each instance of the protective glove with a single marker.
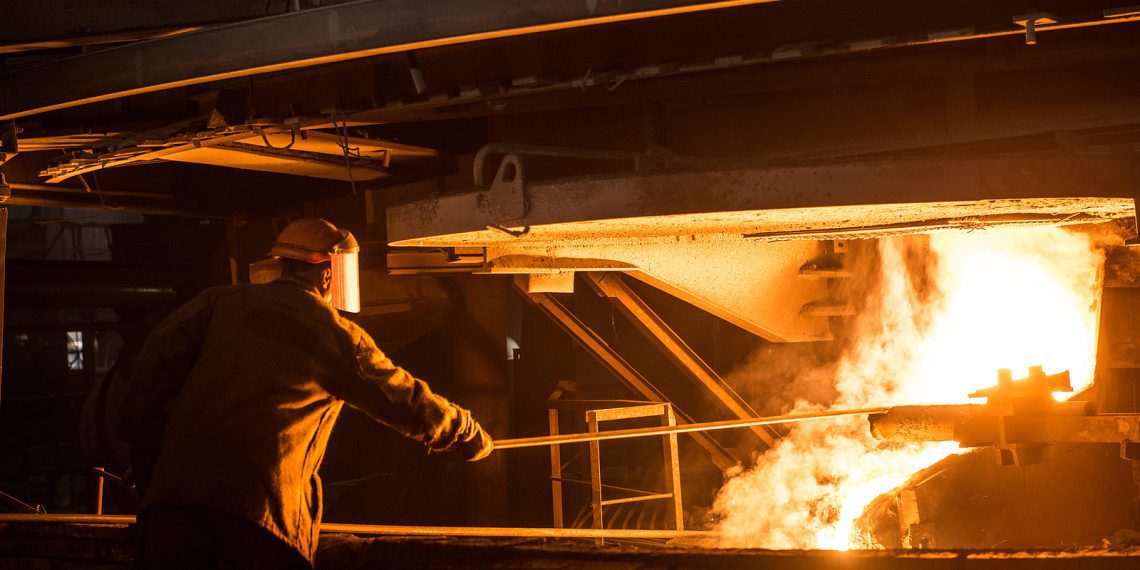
(476, 444)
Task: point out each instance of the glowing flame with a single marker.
(1001, 299)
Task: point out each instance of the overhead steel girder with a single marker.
(772, 202)
(295, 40)
(758, 286)
(736, 242)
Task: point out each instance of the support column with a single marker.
(482, 383)
(239, 270)
(546, 357)
(3, 271)
(1117, 377)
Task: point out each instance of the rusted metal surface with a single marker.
(692, 245)
(772, 200)
(974, 424)
(719, 274)
(1080, 498)
(922, 423)
(1020, 420)
(675, 348)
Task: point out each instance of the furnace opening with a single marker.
(942, 312)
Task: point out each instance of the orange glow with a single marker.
(1007, 298)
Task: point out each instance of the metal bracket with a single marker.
(1031, 395)
(1030, 23)
(508, 190)
(9, 144)
(1130, 450)
(508, 200)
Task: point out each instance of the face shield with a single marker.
(345, 287)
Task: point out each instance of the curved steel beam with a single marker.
(770, 202)
(310, 37)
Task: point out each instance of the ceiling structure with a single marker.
(384, 93)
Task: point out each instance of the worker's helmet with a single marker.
(313, 240)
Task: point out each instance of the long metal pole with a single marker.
(401, 530)
(684, 428)
(392, 530)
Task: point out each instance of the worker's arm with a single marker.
(156, 376)
(392, 396)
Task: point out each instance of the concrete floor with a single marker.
(106, 547)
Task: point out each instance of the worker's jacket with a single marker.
(232, 398)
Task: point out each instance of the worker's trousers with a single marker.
(177, 537)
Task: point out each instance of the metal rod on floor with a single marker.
(69, 519)
(514, 532)
(401, 530)
(684, 428)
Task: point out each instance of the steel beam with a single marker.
(93, 40)
(771, 201)
(56, 189)
(597, 347)
(62, 23)
(296, 40)
(31, 199)
(568, 91)
(675, 348)
(71, 284)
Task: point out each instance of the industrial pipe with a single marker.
(978, 423)
(922, 423)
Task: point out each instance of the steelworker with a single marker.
(232, 398)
